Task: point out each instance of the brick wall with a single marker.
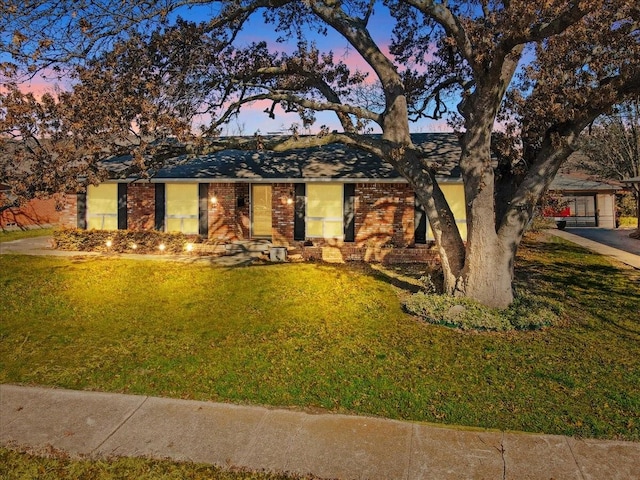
(36, 212)
(384, 214)
(282, 201)
(228, 211)
(384, 221)
(141, 203)
(69, 212)
(339, 253)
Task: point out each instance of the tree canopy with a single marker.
(545, 70)
(611, 147)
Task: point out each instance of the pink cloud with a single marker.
(44, 81)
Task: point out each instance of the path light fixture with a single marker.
(134, 246)
(162, 247)
(189, 247)
(109, 243)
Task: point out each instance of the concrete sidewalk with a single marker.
(326, 445)
(620, 255)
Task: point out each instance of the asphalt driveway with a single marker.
(618, 238)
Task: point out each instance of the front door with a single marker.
(261, 210)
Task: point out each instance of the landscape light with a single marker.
(134, 246)
(109, 243)
(189, 247)
(162, 247)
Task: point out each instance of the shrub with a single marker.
(122, 241)
(539, 223)
(527, 312)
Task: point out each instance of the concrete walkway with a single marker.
(325, 445)
(42, 246)
(625, 257)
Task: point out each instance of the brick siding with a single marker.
(36, 212)
(228, 211)
(69, 212)
(384, 215)
(384, 221)
(283, 206)
(141, 204)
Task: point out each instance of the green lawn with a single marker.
(16, 465)
(328, 337)
(10, 235)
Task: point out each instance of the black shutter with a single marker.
(160, 207)
(349, 212)
(122, 206)
(81, 213)
(300, 212)
(420, 222)
(203, 209)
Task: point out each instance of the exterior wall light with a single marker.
(214, 199)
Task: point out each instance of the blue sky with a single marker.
(253, 119)
(255, 30)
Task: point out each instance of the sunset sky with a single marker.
(253, 119)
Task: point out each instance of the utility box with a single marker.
(278, 254)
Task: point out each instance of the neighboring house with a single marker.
(586, 202)
(35, 213)
(326, 201)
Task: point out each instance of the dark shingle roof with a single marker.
(329, 162)
(568, 183)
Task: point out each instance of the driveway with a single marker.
(618, 238)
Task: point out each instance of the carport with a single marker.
(591, 203)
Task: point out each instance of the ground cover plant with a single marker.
(334, 338)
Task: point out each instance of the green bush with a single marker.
(122, 241)
(527, 312)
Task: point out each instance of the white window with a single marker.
(181, 203)
(325, 210)
(102, 206)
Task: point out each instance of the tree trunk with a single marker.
(487, 274)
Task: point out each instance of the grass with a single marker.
(333, 338)
(10, 235)
(17, 465)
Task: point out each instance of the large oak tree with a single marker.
(545, 69)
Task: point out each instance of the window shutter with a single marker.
(298, 220)
(160, 207)
(349, 212)
(203, 209)
(122, 206)
(420, 222)
(81, 210)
